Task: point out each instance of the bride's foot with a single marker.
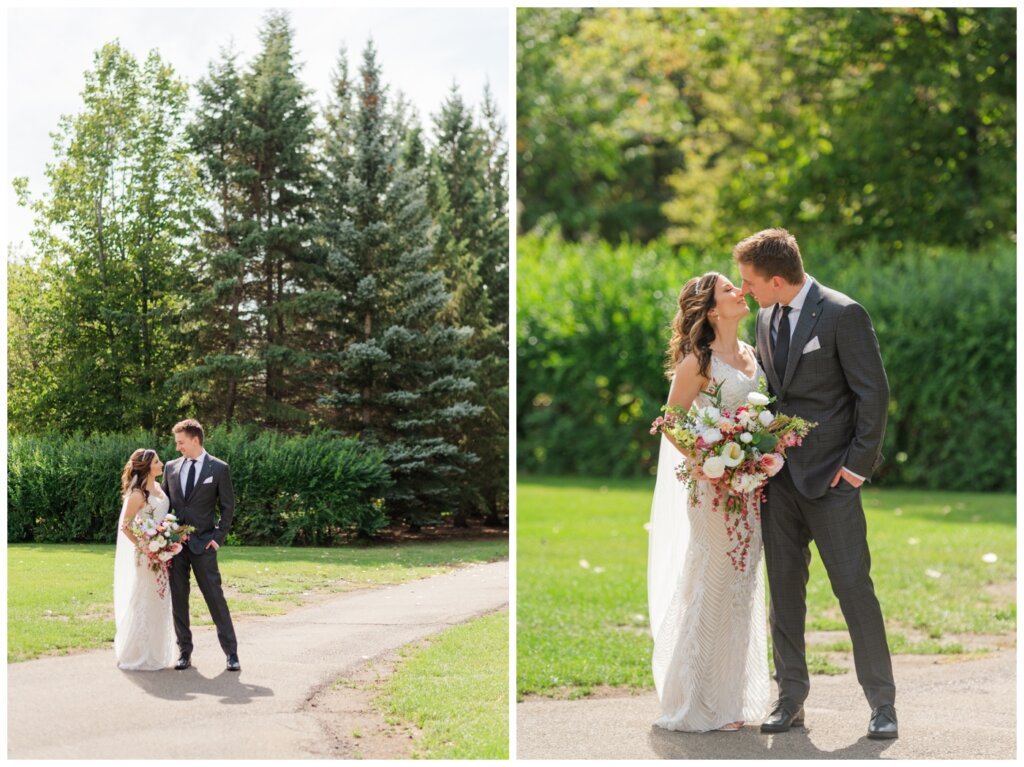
(731, 727)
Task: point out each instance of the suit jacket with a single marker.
(841, 385)
(200, 507)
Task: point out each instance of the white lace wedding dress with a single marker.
(145, 638)
(710, 657)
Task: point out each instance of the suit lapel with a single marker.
(809, 315)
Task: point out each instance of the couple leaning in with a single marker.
(197, 488)
(818, 351)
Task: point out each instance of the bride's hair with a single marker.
(691, 330)
(136, 471)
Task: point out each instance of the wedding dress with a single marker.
(145, 638)
(710, 657)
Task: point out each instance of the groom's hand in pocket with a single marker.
(214, 544)
(844, 474)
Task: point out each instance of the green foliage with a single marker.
(581, 627)
(703, 124)
(311, 490)
(593, 327)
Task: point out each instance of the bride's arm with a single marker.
(687, 383)
(135, 501)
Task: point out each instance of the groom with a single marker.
(821, 357)
(197, 483)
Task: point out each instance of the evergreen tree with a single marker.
(462, 199)
(400, 375)
(223, 384)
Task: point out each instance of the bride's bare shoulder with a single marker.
(688, 367)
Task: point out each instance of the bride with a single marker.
(710, 658)
(145, 633)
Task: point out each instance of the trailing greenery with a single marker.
(582, 589)
(593, 326)
(312, 490)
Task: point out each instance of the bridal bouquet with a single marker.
(158, 542)
(736, 452)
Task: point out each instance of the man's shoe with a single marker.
(184, 661)
(783, 716)
(233, 664)
(883, 724)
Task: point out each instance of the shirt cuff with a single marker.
(855, 474)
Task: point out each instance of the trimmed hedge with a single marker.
(593, 324)
(310, 490)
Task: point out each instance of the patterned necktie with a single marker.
(781, 356)
(191, 481)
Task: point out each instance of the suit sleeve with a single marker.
(757, 346)
(861, 360)
(226, 497)
(164, 485)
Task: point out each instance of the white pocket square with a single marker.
(208, 480)
(813, 345)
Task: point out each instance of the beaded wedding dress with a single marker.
(710, 657)
(145, 638)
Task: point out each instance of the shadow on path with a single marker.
(190, 684)
(750, 743)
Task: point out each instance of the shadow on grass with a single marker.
(170, 684)
(750, 743)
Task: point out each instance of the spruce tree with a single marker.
(399, 372)
(463, 203)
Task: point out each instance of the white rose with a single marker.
(756, 398)
(711, 413)
(154, 546)
(711, 436)
(165, 555)
(732, 455)
(746, 437)
(766, 417)
(714, 467)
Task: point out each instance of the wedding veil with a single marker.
(668, 537)
(124, 583)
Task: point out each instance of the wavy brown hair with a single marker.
(691, 329)
(136, 471)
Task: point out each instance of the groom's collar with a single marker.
(798, 300)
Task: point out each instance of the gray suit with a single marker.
(200, 509)
(842, 386)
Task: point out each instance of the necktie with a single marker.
(781, 356)
(191, 481)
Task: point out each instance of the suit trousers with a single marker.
(835, 522)
(208, 578)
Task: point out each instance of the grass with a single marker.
(455, 692)
(59, 596)
(582, 569)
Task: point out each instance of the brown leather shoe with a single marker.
(784, 715)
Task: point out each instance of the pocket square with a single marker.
(208, 480)
(813, 345)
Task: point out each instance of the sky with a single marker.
(421, 52)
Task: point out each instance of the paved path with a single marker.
(83, 707)
(959, 710)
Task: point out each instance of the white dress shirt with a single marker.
(185, 467)
(794, 315)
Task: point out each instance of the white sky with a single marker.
(421, 52)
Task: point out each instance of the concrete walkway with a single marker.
(947, 710)
(83, 707)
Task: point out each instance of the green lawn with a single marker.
(582, 571)
(456, 691)
(59, 596)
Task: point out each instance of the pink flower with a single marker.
(772, 463)
(175, 548)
